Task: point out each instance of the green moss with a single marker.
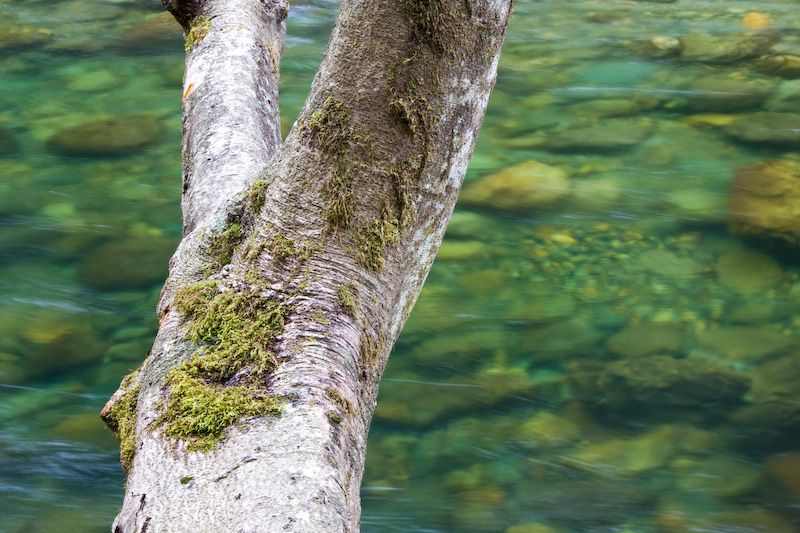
(372, 240)
(186, 479)
(258, 194)
(339, 189)
(318, 315)
(334, 417)
(283, 248)
(224, 244)
(444, 25)
(340, 401)
(121, 419)
(198, 29)
(347, 298)
(199, 411)
(225, 380)
(331, 125)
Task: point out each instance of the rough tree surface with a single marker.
(300, 260)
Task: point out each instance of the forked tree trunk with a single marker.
(300, 261)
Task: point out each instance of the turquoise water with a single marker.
(611, 355)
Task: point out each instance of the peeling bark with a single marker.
(337, 227)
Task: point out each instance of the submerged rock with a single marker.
(743, 342)
(607, 135)
(748, 271)
(785, 66)
(657, 382)
(615, 457)
(722, 94)
(647, 339)
(727, 48)
(159, 31)
(16, 37)
(766, 128)
(546, 430)
(765, 200)
(416, 401)
(127, 264)
(116, 136)
(613, 107)
(9, 145)
(666, 263)
(775, 396)
(523, 187)
(718, 476)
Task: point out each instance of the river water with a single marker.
(608, 341)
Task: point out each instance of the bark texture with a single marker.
(331, 234)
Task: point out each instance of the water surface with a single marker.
(612, 355)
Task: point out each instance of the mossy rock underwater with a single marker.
(116, 136)
(129, 264)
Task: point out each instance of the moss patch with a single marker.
(224, 244)
(373, 239)
(331, 124)
(447, 26)
(330, 127)
(283, 248)
(347, 298)
(340, 401)
(121, 419)
(339, 190)
(198, 29)
(226, 379)
(258, 194)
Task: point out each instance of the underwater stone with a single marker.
(784, 471)
(743, 342)
(116, 136)
(766, 128)
(532, 527)
(456, 250)
(718, 476)
(546, 430)
(12, 37)
(657, 382)
(101, 80)
(647, 339)
(75, 345)
(155, 32)
(727, 48)
(668, 264)
(127, 264)
(785, 66)
(748, 271)
(775, 396)
(614, 457)
(522, 188)
(765, 200)
(605, 136)
(568, 338)
(9, 145)
(722, 94)
(613, 107)
(85, 427)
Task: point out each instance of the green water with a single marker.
(608, 358)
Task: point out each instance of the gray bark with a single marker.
(339, 225)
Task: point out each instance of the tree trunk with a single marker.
(300, 262)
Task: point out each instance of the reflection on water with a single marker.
(608, 340)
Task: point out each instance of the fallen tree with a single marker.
(300, 260)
